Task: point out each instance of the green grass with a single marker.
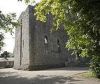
(88, 74)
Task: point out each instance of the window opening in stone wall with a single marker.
(58, 45)
(45, 40)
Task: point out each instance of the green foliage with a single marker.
(5, 54)
(28, 1)
(67, 13)
(7, 23)
(1, 40)
(88, 74)
(53, 7)
(95, 65)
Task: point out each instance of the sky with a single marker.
(11, 6)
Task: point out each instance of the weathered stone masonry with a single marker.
(35, 46)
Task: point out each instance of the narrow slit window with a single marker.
(45, 40)
(58, 44)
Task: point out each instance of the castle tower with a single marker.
(35, 46)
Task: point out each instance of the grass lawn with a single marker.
(87, 74)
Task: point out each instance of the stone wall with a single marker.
(21, 52)
(6, 63)
(35, 46)
(46, 55)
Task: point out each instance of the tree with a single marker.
(5, 54)
(1, 40)
(81, 20)
(7, 24)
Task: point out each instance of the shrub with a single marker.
(95, 65)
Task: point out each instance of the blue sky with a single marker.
(11, 6)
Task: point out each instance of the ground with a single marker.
(51, 76)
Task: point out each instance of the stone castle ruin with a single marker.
(35, 46)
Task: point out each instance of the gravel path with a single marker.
(51, 76)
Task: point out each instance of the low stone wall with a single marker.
(6, 64)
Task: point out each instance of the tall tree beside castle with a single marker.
(7, 24)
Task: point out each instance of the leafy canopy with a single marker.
(7, 23)
(1, 40)
(71, 14)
